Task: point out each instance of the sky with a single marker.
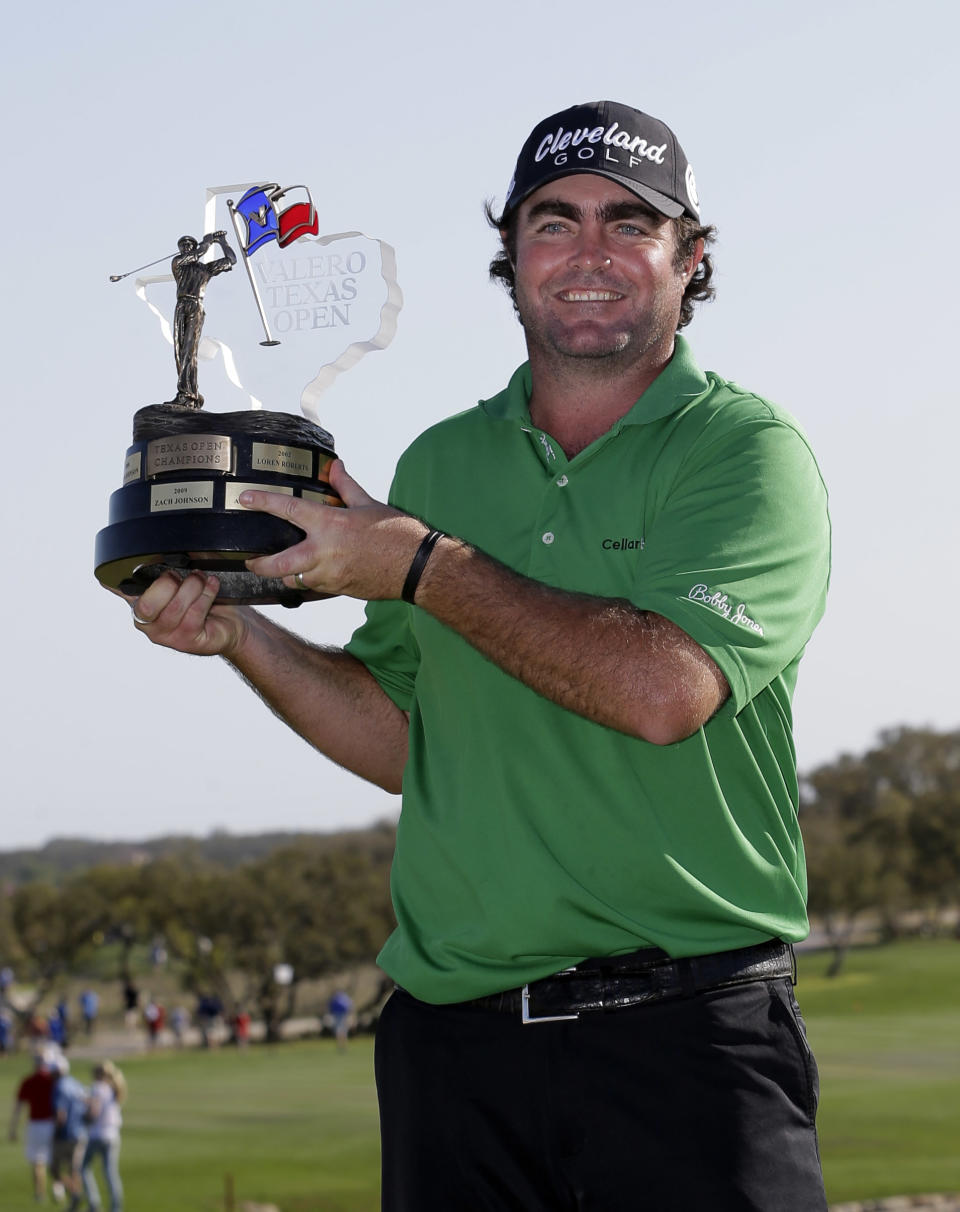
(822, 136)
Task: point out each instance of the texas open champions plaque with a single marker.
(302, 309)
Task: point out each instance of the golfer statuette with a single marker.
(178, 506)
(192, 274)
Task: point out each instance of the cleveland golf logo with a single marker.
(610, 136)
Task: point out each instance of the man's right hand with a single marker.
(181, 614)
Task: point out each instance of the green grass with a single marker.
(296, 1125)
(886, 1034)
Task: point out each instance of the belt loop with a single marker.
(793, 965)
(688, 981)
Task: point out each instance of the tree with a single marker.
(55, 928)
(314, 909)
(882, 832)
(193, 908)
(317, 910)
(924, 767)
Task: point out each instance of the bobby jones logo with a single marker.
(721, 604)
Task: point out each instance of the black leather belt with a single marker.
(637, 979)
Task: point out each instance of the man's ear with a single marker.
(691, 263)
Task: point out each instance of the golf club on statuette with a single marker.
(120, 277)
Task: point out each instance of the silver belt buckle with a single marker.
(527, 1018)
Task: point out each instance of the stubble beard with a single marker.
(597, 350)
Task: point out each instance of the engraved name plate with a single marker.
(187, 495)
(189, 452)
(233, 489)
(131, 467)
(285, 460)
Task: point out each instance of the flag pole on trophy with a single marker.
(271, 340)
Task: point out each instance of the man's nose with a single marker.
(590, 253)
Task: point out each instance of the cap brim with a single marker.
(666, 206)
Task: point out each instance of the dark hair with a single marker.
(686, 233)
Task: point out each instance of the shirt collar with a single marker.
(679, 383)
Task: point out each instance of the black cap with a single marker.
(609, 140)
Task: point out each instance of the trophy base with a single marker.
(178, 509)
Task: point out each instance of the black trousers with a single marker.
(704, 1103)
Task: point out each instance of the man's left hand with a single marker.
(363, 551)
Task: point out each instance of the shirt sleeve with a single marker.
(737, 553)
(385, 643)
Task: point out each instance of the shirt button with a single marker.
(562, 482)
(548, 537)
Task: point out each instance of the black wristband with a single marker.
(419, 562)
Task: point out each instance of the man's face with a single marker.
(595, 274)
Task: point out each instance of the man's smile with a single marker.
(589, 296)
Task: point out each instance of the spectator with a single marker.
(209, 1010)
(70, 1101)
(241, 1027)
(89, 1007)
(6, 1031)
(36, 1095)
(339, 1010)
(131, 1000)
(56, 1029)
(154, 1016)
(178, 1024)
(104, 1120)
(38, 1030)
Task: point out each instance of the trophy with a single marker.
(311, 307)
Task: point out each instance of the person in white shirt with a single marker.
(107, 1094)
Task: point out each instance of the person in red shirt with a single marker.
(36, 1095)
(155, 1017)
(241, 1027)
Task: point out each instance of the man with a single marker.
(578, 667)
(70, 1134)
(191, 274)
(35, 1096)
(89, 1008)
(339, 1008)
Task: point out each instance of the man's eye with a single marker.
(553, 225)
(630, 229)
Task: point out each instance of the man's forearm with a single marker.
(599, 657)
(329, 698)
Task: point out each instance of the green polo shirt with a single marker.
(531, 838)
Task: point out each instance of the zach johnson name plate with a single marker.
(178, 508)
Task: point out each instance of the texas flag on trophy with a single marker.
(258, 208)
